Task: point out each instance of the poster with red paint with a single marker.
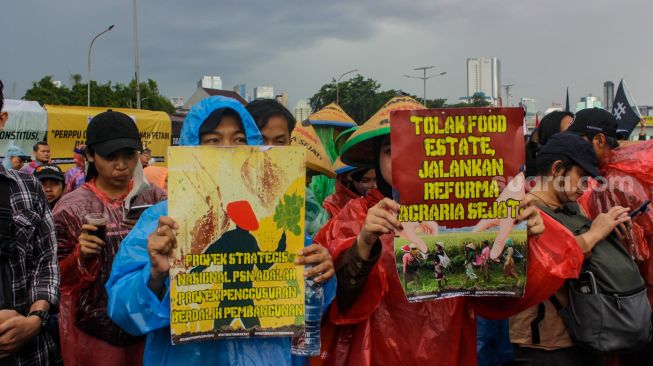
(240, 212)
(457, 174)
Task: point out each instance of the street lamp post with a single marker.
(88, 88)
(424, 78)
(137, 59)
(338, 84)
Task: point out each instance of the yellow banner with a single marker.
(67, 130)
(241, 222)
(648, 120)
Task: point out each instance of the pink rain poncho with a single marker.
(83, 280)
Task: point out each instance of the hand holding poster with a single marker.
(457, 176)
(241, 221)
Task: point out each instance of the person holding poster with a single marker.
(90, 226)
(374, 322)
(139, 298)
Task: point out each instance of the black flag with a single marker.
(627, 118)
(567, 105)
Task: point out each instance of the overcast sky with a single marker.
(299, 45)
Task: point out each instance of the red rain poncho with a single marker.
(383, 328)
(629, 175)
(78, 347)
(335, 202)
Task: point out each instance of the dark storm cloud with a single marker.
(297, 46)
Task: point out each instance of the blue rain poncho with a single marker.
(134, 307)
(12, 150)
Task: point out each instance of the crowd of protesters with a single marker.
(82, 284)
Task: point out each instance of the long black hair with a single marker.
(549, 126)
(91, 170)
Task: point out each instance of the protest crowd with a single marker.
(87, 254)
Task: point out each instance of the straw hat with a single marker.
(342, 138)
(359, 148)
(332, 115)
(338, 166)
(341, 168)
(316, 157)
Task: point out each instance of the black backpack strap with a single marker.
(535, 324)
(554, 300)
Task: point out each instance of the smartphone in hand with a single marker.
(134, 212)
(641, 209)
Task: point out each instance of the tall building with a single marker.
(282, 98)
(302, 110)
(210, 82)
(529, 105)
(242, 90)
(589, 101)
(608, 94)
(265, 92)
(484, 76)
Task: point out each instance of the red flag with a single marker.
(537, 119)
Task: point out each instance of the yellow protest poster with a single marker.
(241, 217)
(67, 130)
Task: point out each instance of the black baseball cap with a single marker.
(49, 171)
(111, 131)
(575, 148)
(591, 121)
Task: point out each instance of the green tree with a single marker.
(477, 100)
(45, 92)
(436, 103)
(359, 97)
(106, 95)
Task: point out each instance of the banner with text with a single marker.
(241, 217)
(25, 126)
(67, 130)
(457, 176)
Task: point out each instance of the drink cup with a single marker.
(99, 220)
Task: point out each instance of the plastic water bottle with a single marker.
(308, 342)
